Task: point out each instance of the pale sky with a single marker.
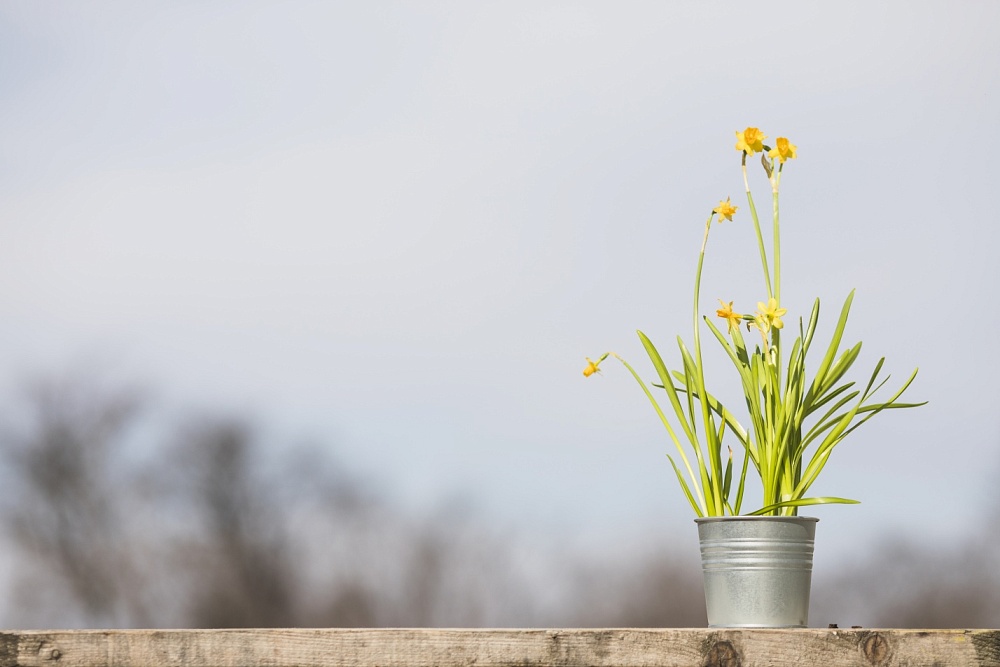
(400, 228)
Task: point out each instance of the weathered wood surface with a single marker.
(498, 648)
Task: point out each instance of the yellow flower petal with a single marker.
(724, 210)
(591, 368)
(750, 140)
(784, 149)
(769, 315)
(726, 313)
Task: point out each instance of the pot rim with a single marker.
(714, 519)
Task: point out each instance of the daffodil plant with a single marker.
(793, 424)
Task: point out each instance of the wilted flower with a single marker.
(726, 313)
(724, 210)
(591, 368)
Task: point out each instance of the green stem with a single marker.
(756, 226)
(777, 237)
(711, 437)
(777, 397)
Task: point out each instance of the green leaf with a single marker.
(831, 351)
(664, 375)
(743, 479)
(839, 369)
(718, 408)
(690, 377)
(878, 367)
(827, 397)
(803, 502)
(875, 408)
(670, 430)
(827, 421)
(685, 488)
(811, 328)
(728, 477)
(712, 445)
(734, 355)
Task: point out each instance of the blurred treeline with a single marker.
(113, 519)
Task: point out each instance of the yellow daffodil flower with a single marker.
(783, 150)
(724, 210)
(726, 313)
(591, 368)
(750, 140)
(769, 315)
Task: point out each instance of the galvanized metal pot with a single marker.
(758, 570)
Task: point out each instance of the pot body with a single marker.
(757, 569)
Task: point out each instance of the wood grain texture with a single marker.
(498, 648)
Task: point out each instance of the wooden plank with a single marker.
(498, 648)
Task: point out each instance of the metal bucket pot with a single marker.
(757, 569)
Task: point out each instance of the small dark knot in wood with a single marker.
(55, 654)
(876, 648)
(722, 654)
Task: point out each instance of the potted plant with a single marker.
(758, 565)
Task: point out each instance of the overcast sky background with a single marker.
(400, 228)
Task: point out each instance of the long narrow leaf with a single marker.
(811, 328)
(718, 408)
(666, 424)
(873, 409)
(711, 443)
(827, 397)
(664, 375)
(839, 369)
(803, 502)
(828, 421)
(831, 351)
(727, 479)
(690, 378)
(684, 487)
(743, 479)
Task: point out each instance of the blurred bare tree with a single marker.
(64, 501)
(653, 590)
(211, 529)
(901, 584)
(236, 545)
(113, 524)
